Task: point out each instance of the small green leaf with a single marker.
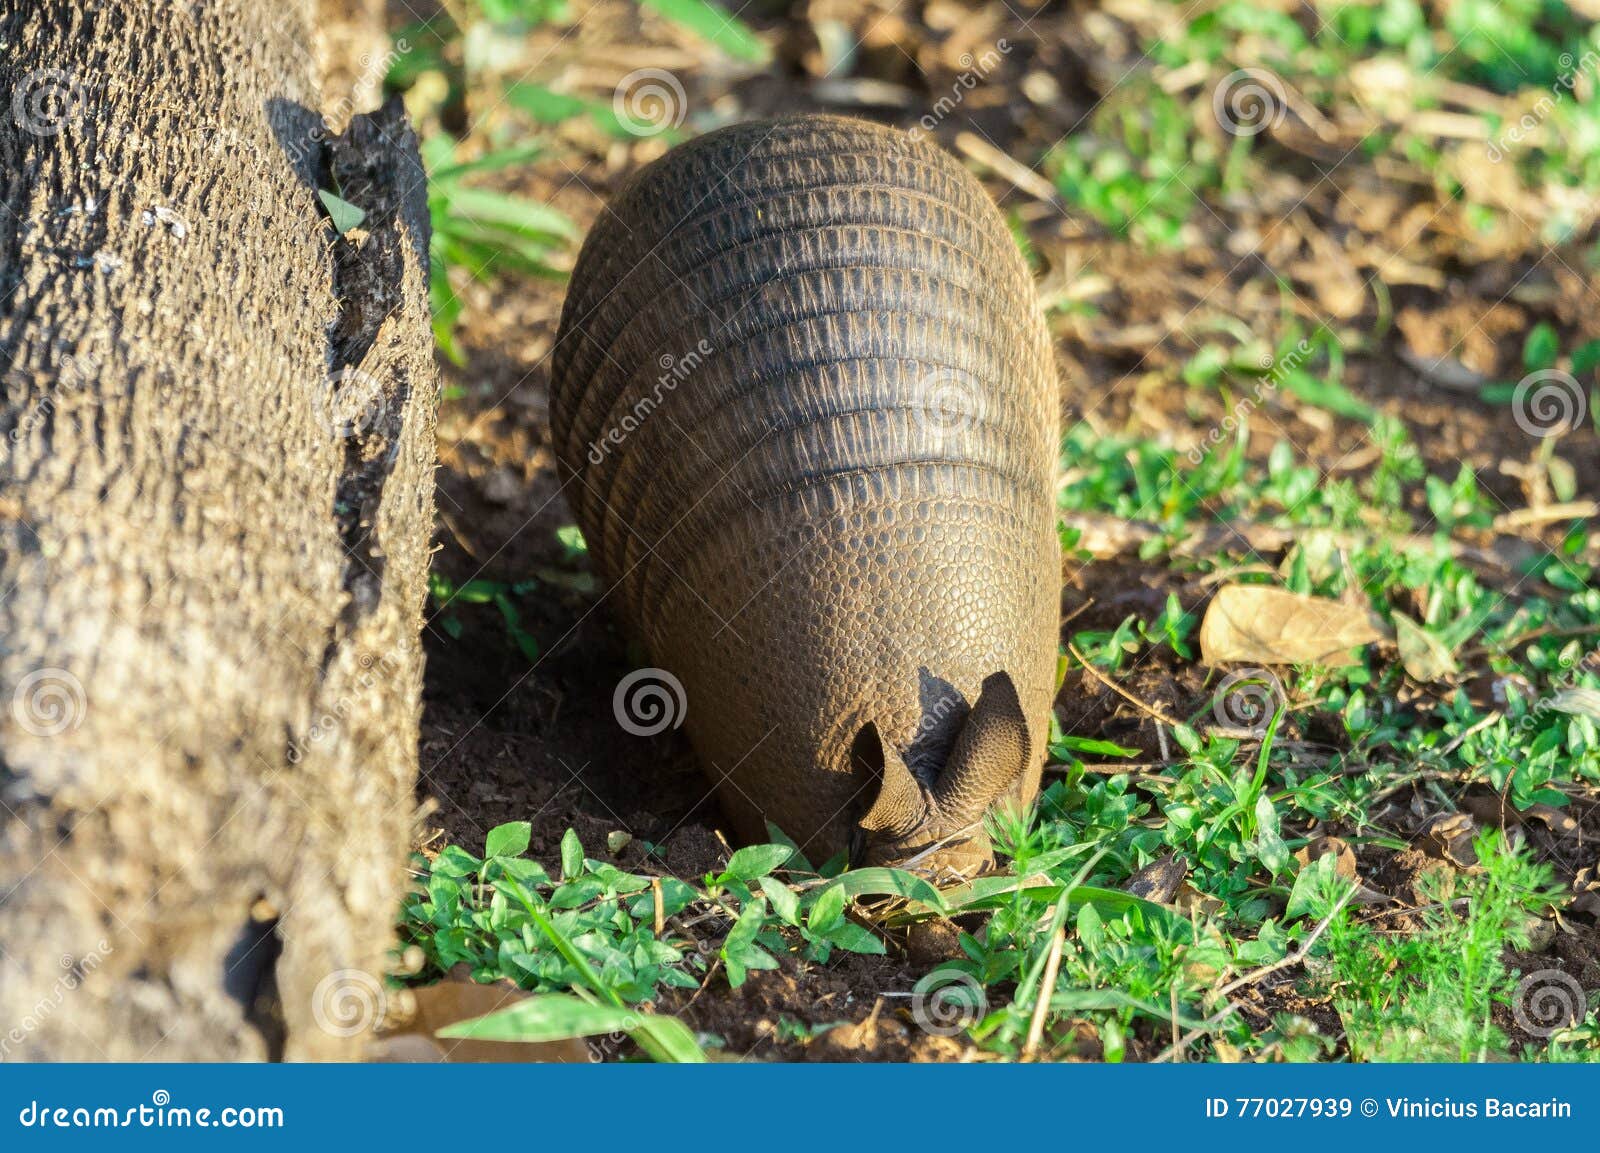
(856, 939)
(1541, 348)
(571, 855)
(828, 909)
(508, 840)
(344, 215)
(757, 860)
(1270, 849)
(1586, 358)
(784, 901)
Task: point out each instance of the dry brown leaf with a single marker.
(1344, 857)
(1259, 624)
(1160, 880)
(1422, 653)
(409, 1036)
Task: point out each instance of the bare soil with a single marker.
(505, 739)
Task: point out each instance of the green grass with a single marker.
(1142, 167)
(600, 947)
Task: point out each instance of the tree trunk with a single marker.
(216, 499)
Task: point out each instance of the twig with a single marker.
(1152, 710)
(1298, 955)
(1047, 985)
(1175, 1050)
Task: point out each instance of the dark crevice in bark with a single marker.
(372, 166)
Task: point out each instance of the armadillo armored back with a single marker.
(805, 407)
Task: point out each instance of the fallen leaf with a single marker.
(1344, 858)
(1160, 880)
(1578, 702)
(1271, 626)
(1423, 654)
(1448, 836)
(424, 1011)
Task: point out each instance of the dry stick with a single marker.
(1152, 710)
(1174, 1050)
(1047, 985)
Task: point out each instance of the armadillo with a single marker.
(805, 411)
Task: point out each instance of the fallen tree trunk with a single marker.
(216, 500)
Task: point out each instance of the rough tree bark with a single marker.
(216, 498)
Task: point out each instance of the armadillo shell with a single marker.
(806, 413)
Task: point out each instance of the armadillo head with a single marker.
(938, 823)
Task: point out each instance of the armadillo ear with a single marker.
(990, 754)
(898, 808)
